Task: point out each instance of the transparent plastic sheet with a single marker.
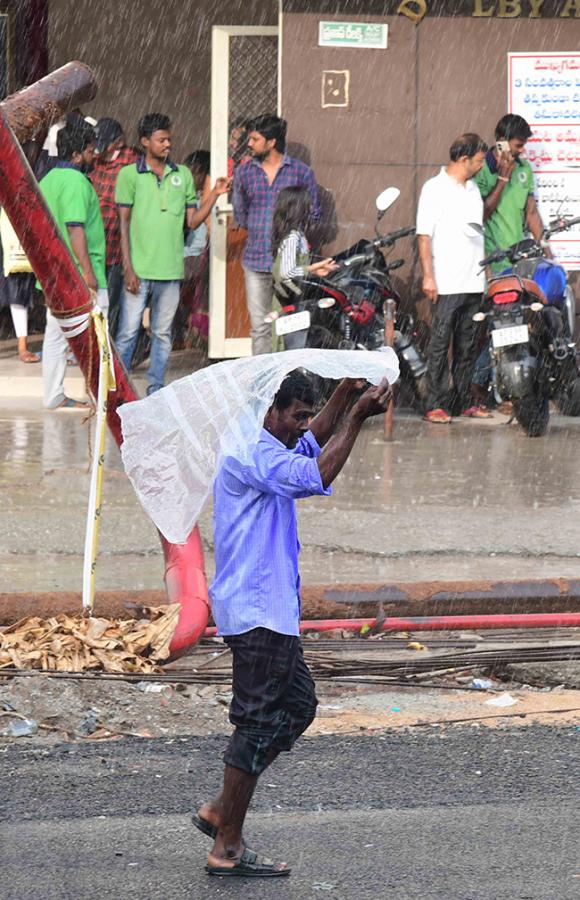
(174, 439)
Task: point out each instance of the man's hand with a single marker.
(323, 268)
(505, 165)
(132, 283)
(90, 279)
(374, 401)
(222, 186)
(430, 288)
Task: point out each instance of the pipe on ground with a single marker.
(442, 623)
(65, 291)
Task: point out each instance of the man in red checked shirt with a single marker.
(111, 154)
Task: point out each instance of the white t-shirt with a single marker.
(446, 207)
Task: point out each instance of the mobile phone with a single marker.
(503, 147)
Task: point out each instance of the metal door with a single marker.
(245, 83)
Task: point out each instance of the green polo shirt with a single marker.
(158, 209)
(507, 224)
(72, 200)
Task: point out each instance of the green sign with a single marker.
(370, 35)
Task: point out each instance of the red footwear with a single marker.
(439, 416)
(477, 412)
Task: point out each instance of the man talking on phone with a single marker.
(506, 183)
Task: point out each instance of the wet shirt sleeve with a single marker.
(74, 200)
(485, 181)
(190, 192)
(427, 212)
(286, 473)
(125, 189)
(310, 183)
(240, 200)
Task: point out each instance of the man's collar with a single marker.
(65, 164)
(286, 160)
(492, 162)
(142, 166)
(266, 435)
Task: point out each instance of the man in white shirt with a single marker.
(450, 251)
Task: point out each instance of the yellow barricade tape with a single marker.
(107, 383)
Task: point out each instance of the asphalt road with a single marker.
(468, 814)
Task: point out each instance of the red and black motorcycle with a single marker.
(346, 310)
(534, 357)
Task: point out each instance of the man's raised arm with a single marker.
(374, 401)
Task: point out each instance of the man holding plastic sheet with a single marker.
(256, 593)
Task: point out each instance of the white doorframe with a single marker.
(221, 347)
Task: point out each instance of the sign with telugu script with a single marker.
(544, 88)
(370, 35)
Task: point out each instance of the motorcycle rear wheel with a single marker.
(533, 414)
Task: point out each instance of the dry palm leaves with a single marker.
(75, 644)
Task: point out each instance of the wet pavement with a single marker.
(474, 500)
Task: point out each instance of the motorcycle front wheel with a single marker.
(568, 399)
(533, 414)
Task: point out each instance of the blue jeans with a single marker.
(164, 302)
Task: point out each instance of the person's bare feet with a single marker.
(27, 356)
(210, 812)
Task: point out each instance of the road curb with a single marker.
(421, 598)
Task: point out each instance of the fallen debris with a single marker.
(76, 644)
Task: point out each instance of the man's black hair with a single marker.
(153, 122)
(467, 145)
(75, 138)
(272, 128)
(199, 159)
(512, 126)
(296, 386)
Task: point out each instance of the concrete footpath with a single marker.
(474, 501)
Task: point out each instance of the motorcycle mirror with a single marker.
(478, 317)
(386, 199)
(475, 226)
(325, 303)
(536, 307)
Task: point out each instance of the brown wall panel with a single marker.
(462, 73)
(150, 56)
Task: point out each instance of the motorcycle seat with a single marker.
(514, 283)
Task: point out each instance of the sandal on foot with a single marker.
(69, 404)
(477, 412)
(29, 357)
(204, 826)
(439, 416)
(250, 865)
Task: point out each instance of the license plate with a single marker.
(505, 337)
(295, 322)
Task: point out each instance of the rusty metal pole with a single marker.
(389, 420)
(32, 110)
(66, 291)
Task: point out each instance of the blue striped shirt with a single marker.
(256, 536)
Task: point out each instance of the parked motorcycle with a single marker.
(347, 309)
(531, 312)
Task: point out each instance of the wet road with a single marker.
(460, 815)
(474, 500)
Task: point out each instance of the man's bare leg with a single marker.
(234, 801)
(212, 810)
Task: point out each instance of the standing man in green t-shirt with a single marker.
(75, 208)
(156, 200)
(506, 183)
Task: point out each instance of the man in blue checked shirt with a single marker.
(256, 594)
(257, 184)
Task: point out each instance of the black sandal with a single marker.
(204, 826)
(250, 865)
